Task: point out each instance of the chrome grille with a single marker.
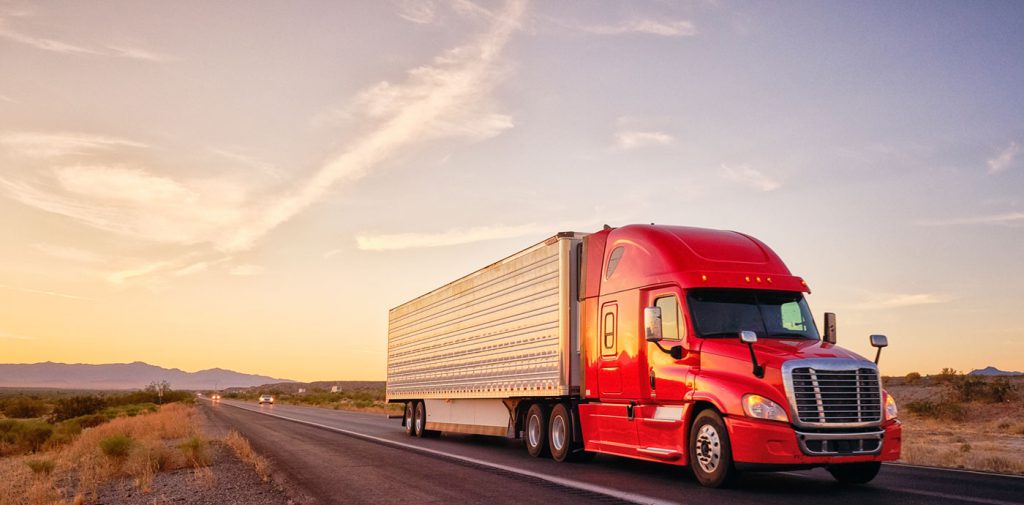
(844, 393)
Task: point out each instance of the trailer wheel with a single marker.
(710, 450)
(536, 430)
(410, 418)
(419, 420)
(560, 430)
(855, 473)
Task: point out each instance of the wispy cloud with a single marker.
(63, 47)
(449, 98)
(896, 301)
(14, 336)
(247, 270)
(678, 28)
(749, 176)
(70, 253)
(195, 268)
(5, 98)
(398, 241)
(1008, 218)
(133, 202)
(45, 145)
(44, 292)
(636, 139)
(417, 11)
(1004, 159)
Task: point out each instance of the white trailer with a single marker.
(463, 356)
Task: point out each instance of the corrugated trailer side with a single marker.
(507, 330)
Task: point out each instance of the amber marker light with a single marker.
(704, 277)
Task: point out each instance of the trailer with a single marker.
(680, 345)
(468, 352)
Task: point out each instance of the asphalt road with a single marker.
(349, 457)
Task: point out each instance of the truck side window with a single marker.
(672, 323)
(792, 317)
(608, 342)
(613, 261)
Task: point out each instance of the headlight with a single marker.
(890, 407)
(763, 408)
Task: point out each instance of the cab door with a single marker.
(669, 380)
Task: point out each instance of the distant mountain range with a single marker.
(991, 370)
(135, 375)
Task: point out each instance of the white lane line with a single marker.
(958, 470)
(931, 494)
(614, 493)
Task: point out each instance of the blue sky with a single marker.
(259, 183)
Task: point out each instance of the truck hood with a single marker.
(773, 352)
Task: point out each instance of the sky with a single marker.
(252, 185)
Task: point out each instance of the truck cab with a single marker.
(699, 349)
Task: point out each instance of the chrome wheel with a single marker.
(421, 414)
(533, 430)
(708, 448)
(558, 433)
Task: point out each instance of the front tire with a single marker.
(537, 430)
(855, 473)
(711, 451)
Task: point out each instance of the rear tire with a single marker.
(419, 420)
(537, 430)
(710, 450)
(410, 418)
(560, 430)
(855, 473)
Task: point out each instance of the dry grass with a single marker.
(128, 447)
(244, 451)
(990, 437)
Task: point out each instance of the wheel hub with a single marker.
(708, 447)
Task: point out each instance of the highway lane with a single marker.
(495, 461)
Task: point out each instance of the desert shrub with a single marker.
(117, 446)
(937, 410)
(913, 378)
(41, 466)
(196, 451)
(76, 406)
(1000, 390)
(970, 388)
(947, 374)
(33, 434)
(23, 407)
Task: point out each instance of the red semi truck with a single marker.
(681, 345)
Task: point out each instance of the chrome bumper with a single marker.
(840, 444)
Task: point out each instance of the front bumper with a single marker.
(772, 443)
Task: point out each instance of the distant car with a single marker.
(215, 397)
(266, 399)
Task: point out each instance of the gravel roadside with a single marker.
(227, 481)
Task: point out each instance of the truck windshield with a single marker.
(723, 313)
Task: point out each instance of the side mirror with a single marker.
(652, 324)
(748, 337)
(830, 327)
(879, 341)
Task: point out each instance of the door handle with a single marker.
(653, 378)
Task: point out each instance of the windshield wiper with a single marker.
(721, 334)
(789, 334)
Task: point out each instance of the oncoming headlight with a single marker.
(760, 407)
(890, 407)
